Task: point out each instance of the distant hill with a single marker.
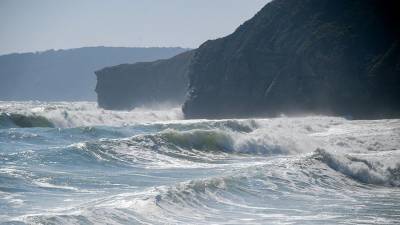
(66, 75)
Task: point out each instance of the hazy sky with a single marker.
(34, 25)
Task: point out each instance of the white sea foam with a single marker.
(288, 190)
(305, 170)
(79, 114)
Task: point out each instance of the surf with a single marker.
(169, 170)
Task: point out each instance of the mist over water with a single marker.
(148, 166)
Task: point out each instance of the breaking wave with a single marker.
(78, 114)
(9, 120)
(251, 193)
(194, 145)
(382, 169)
(306, 170)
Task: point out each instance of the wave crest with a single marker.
(205, 140)
(80, 114)
(9, 120)
(378, 170)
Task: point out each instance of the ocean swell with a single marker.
(304, 170)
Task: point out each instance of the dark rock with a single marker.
(131, 85)
(338, 57)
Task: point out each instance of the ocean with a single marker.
(73, 163)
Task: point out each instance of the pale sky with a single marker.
(37, 25)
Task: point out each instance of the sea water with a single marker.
(73, 163)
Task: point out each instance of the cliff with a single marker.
(328, 57)
(130, 85)
(66, 75)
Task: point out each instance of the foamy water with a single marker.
(148, 166)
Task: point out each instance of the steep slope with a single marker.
(130, 85)
(337, 57)
(66, 75)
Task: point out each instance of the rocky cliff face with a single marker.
(130, 85)
(338, 57)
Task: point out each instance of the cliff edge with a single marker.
(327, 57)
(128, 86)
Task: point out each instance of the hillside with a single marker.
(66, 75)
